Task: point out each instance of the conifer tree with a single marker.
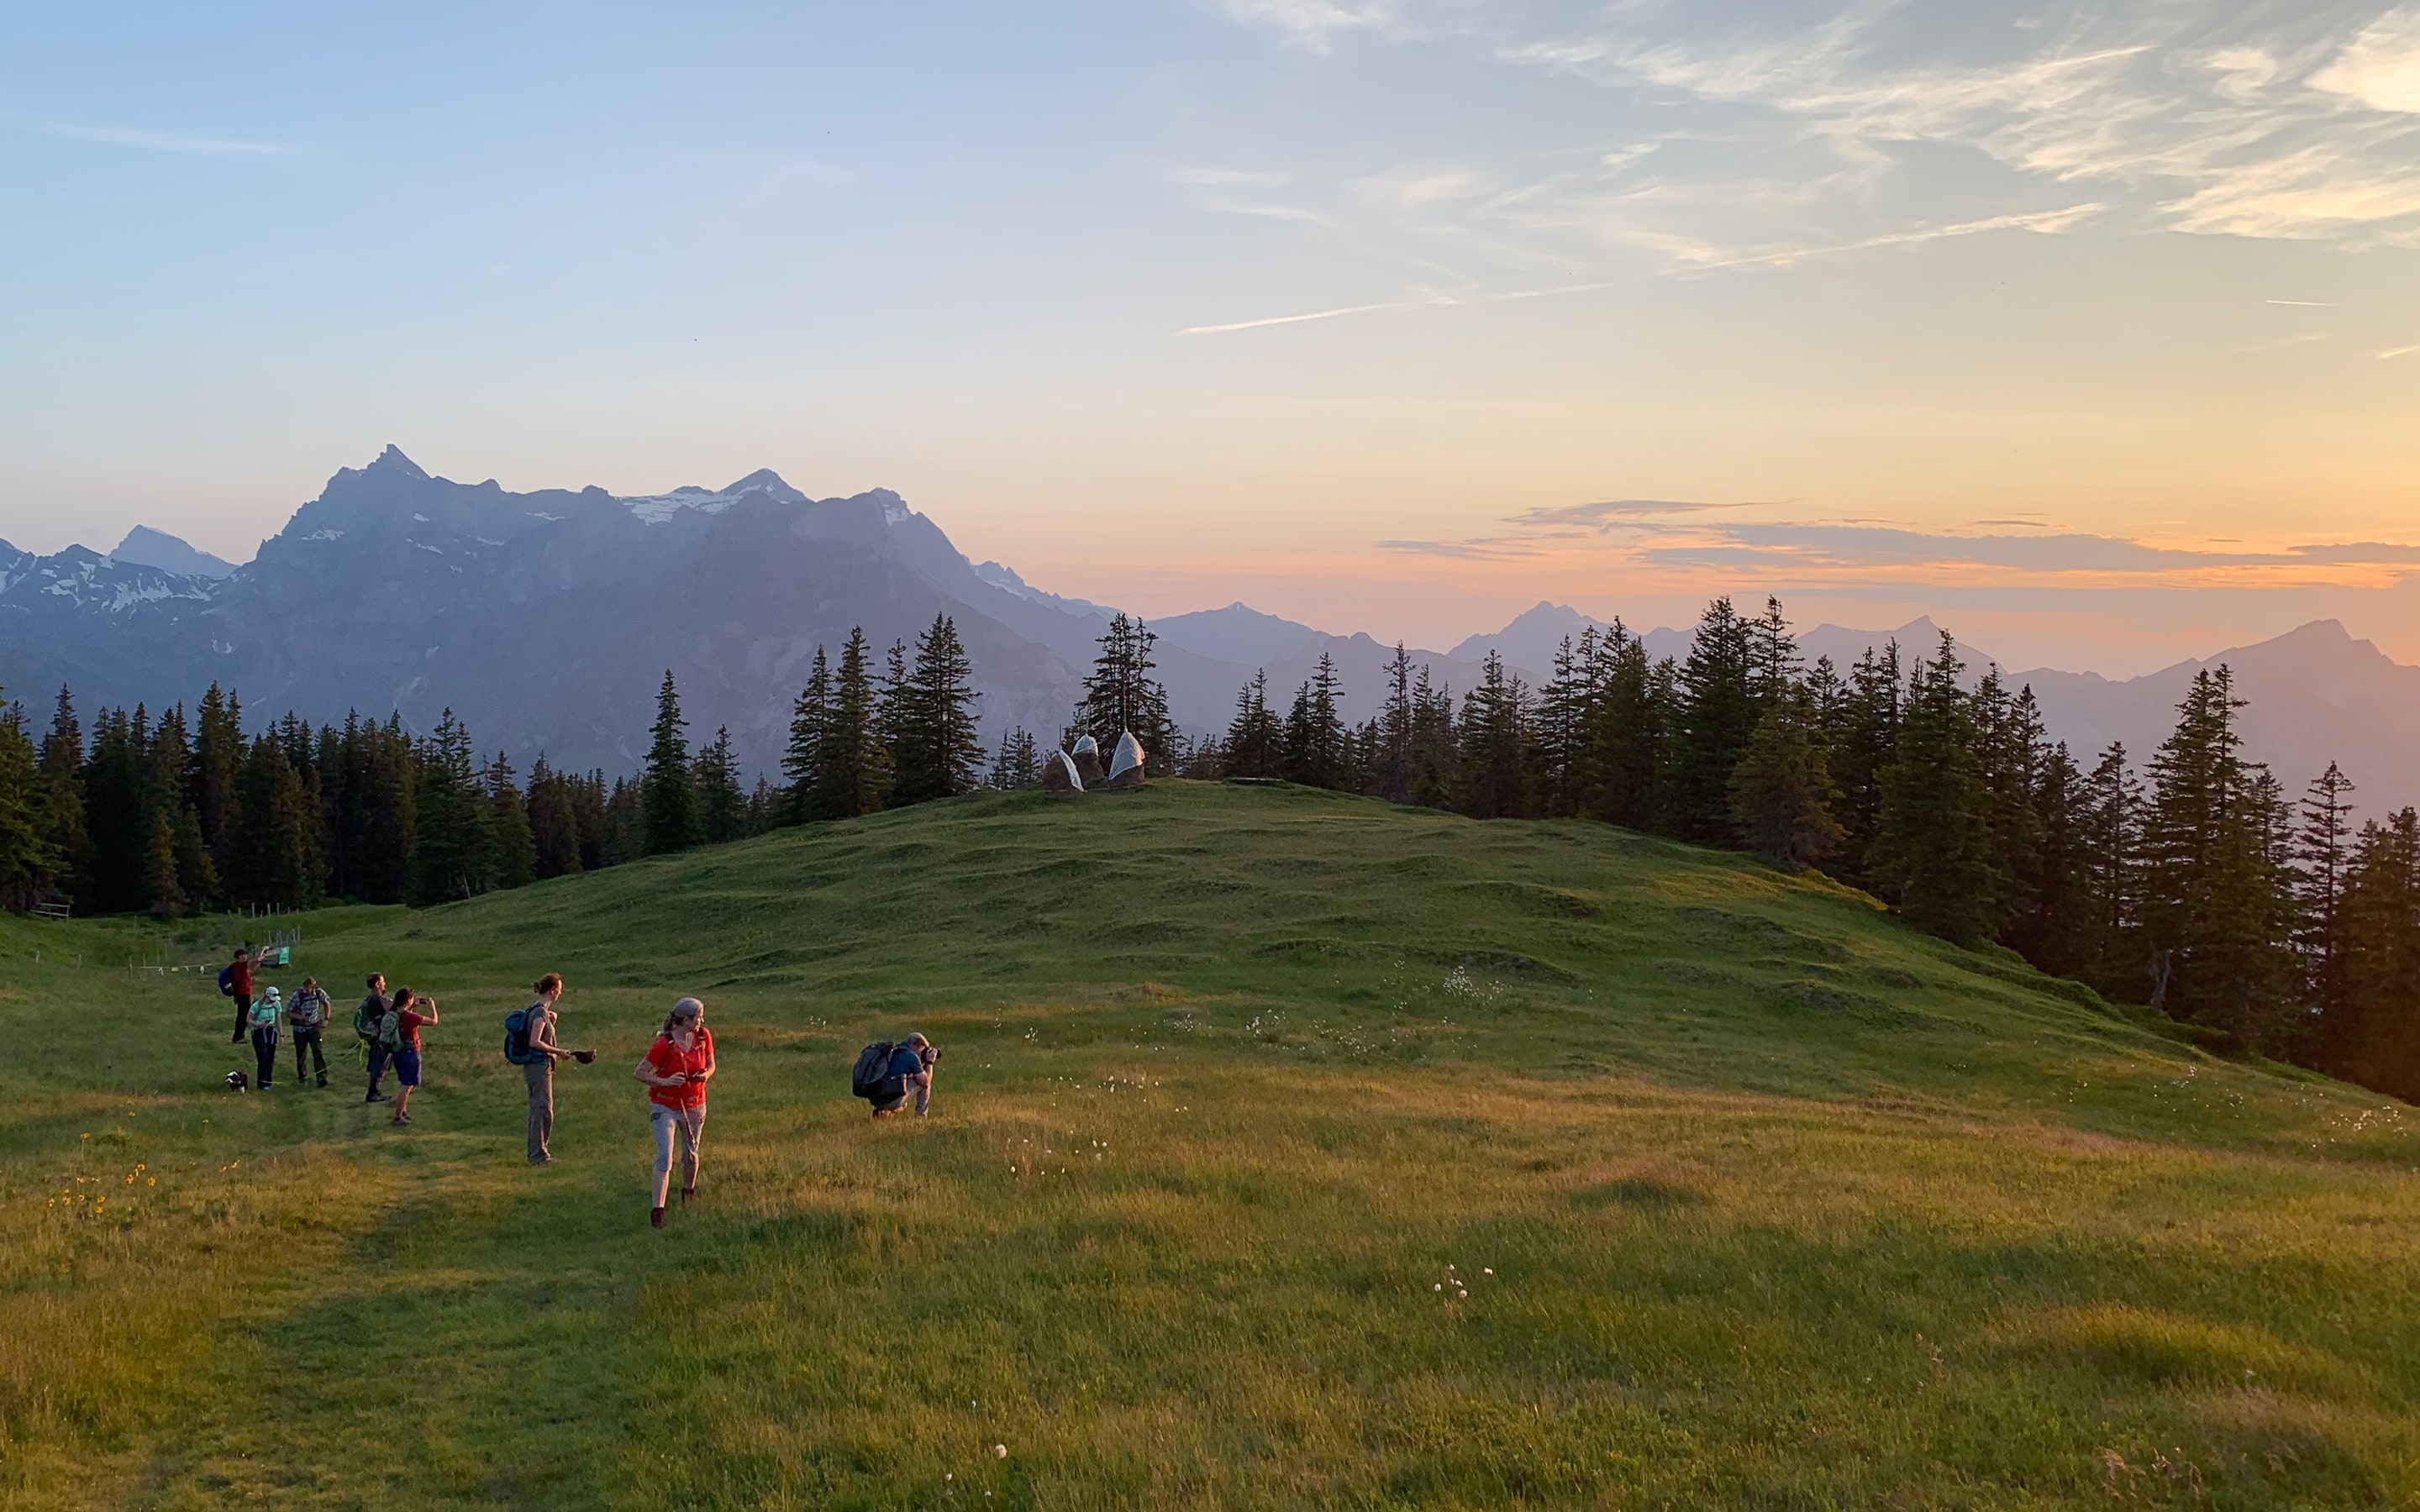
(26, 860)
(1781, 793)
(1318, 748)
(554, 822)
(1718, 716)
(940, 754)
(621, 827)
(512, 847)
(1933, 850)
(892, 719)
(1626, 733)
(219, 749)
(159, 866)
(1862, 742)
(450, 850)
(1255, 741)
(2323, 851)
(800, 768)
(1121, 694)
(1557, 726)
(277, 862)
(1017, 766)
(2372, 1033)
(2215, 897)
(59, 803)
(668, 793)
(1390, 764)
(1491, 754)
(723, 803)
(1434, 779)
(850, 770)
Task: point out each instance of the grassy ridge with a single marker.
(1247, 1094)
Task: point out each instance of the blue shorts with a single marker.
(406, 1062)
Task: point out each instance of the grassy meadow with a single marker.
(1288, 1150)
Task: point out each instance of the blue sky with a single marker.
(1338, 307)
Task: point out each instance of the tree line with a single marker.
(185, 812)
(2191, 882)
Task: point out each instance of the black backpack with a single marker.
(871, 1079)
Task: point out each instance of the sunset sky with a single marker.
(2092, 329)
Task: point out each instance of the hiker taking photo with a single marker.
(888, 1075)
(367, 1021)
(529, 1043)
(399, 1032)
(306, 1017)
(677, 1069)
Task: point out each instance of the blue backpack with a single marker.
(517, 1039)
(871, 1078)
(226, 982)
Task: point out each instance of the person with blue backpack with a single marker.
(530, 1043)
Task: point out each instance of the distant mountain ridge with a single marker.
(546, 619)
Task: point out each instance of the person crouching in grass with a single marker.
(677, 1069)
(912, 1067)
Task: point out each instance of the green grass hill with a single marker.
(1289, 1149)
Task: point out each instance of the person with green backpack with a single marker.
(530, 1043)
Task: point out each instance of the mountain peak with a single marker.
(392, 460)
(767, 480)
(147, 548)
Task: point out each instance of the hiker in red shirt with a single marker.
(408, 1013)
(239, 975)
(677, 1069)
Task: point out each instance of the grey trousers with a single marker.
(541, 1077)
(690, 1124)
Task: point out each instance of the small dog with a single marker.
(238, 1082)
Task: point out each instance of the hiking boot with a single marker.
(237, 1037)
(655, 1217)
(398, 1120)
(688, 1193)
(323, 1079)
(543, 1160)
(375, 1097)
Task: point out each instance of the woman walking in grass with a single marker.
(677, 1069)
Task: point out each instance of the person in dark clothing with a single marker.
(307, 1018)
(911, 1068)
(367, 1020)
(239, 987)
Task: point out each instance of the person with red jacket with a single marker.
(238, 976)
(677, 1069)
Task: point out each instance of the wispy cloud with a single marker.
(2393, 352)
(1226, 177)
(1600, 511)
(1313, 25)
(149, 140)
(1314, 315)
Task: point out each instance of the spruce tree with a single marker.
(1434, 778)
(1718, 716)
(849, 771)
(1862, 743)
(277, 862)
(450, 855)
(800, 762)
(1255, 740)
(1934, 854)
(893, 720)
(554, 822)
(512, 847)
(2217, 903)
(1626, 733)
(2371, 1035)
(940, 753)
(1318, 747)
(668, 795)
(723, 803)
(58, 803)
(219, 749)
(1492, 757)
(1781, 793)
(1121, 694)
(1559, 725)
(1017, 766)
(26, 860)
(2323, 851)
(160, 867)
